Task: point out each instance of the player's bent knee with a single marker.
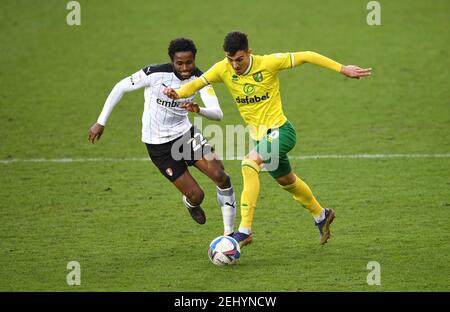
(249, 163)
(287, 179)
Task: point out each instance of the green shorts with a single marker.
(273, 149)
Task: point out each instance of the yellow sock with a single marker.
(302, 193)
(250, 174)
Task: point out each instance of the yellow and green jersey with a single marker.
(257, 91)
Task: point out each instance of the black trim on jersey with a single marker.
(168, 68)
(158, 68)
(197, 72)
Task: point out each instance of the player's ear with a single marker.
(250, 51)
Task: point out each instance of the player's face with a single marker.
(184, 63)
(240, 60)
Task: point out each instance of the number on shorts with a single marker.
(197, 141)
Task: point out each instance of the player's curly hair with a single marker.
(181, 45)
(235, 41)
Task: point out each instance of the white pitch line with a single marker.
(71, 160)
(377, 156)
(305, 157)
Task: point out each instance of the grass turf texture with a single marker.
(126, 225)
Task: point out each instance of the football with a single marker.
(224, 250)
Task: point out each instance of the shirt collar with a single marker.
(249, 66)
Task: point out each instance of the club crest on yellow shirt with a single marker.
(258, 77)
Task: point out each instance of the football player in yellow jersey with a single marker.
(254, 84)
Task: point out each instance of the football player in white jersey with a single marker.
(172, 142)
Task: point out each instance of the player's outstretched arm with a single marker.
(212, 108)
(123, 86)
(350, 71)
(185, 91)
(211, 111)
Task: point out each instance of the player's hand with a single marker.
(356, 72)
(191, 106)
(171, 93)
(95, 132)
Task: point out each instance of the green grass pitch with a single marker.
(125, 224)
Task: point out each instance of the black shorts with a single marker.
(173, 158)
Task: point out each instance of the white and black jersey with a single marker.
(162, 120)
